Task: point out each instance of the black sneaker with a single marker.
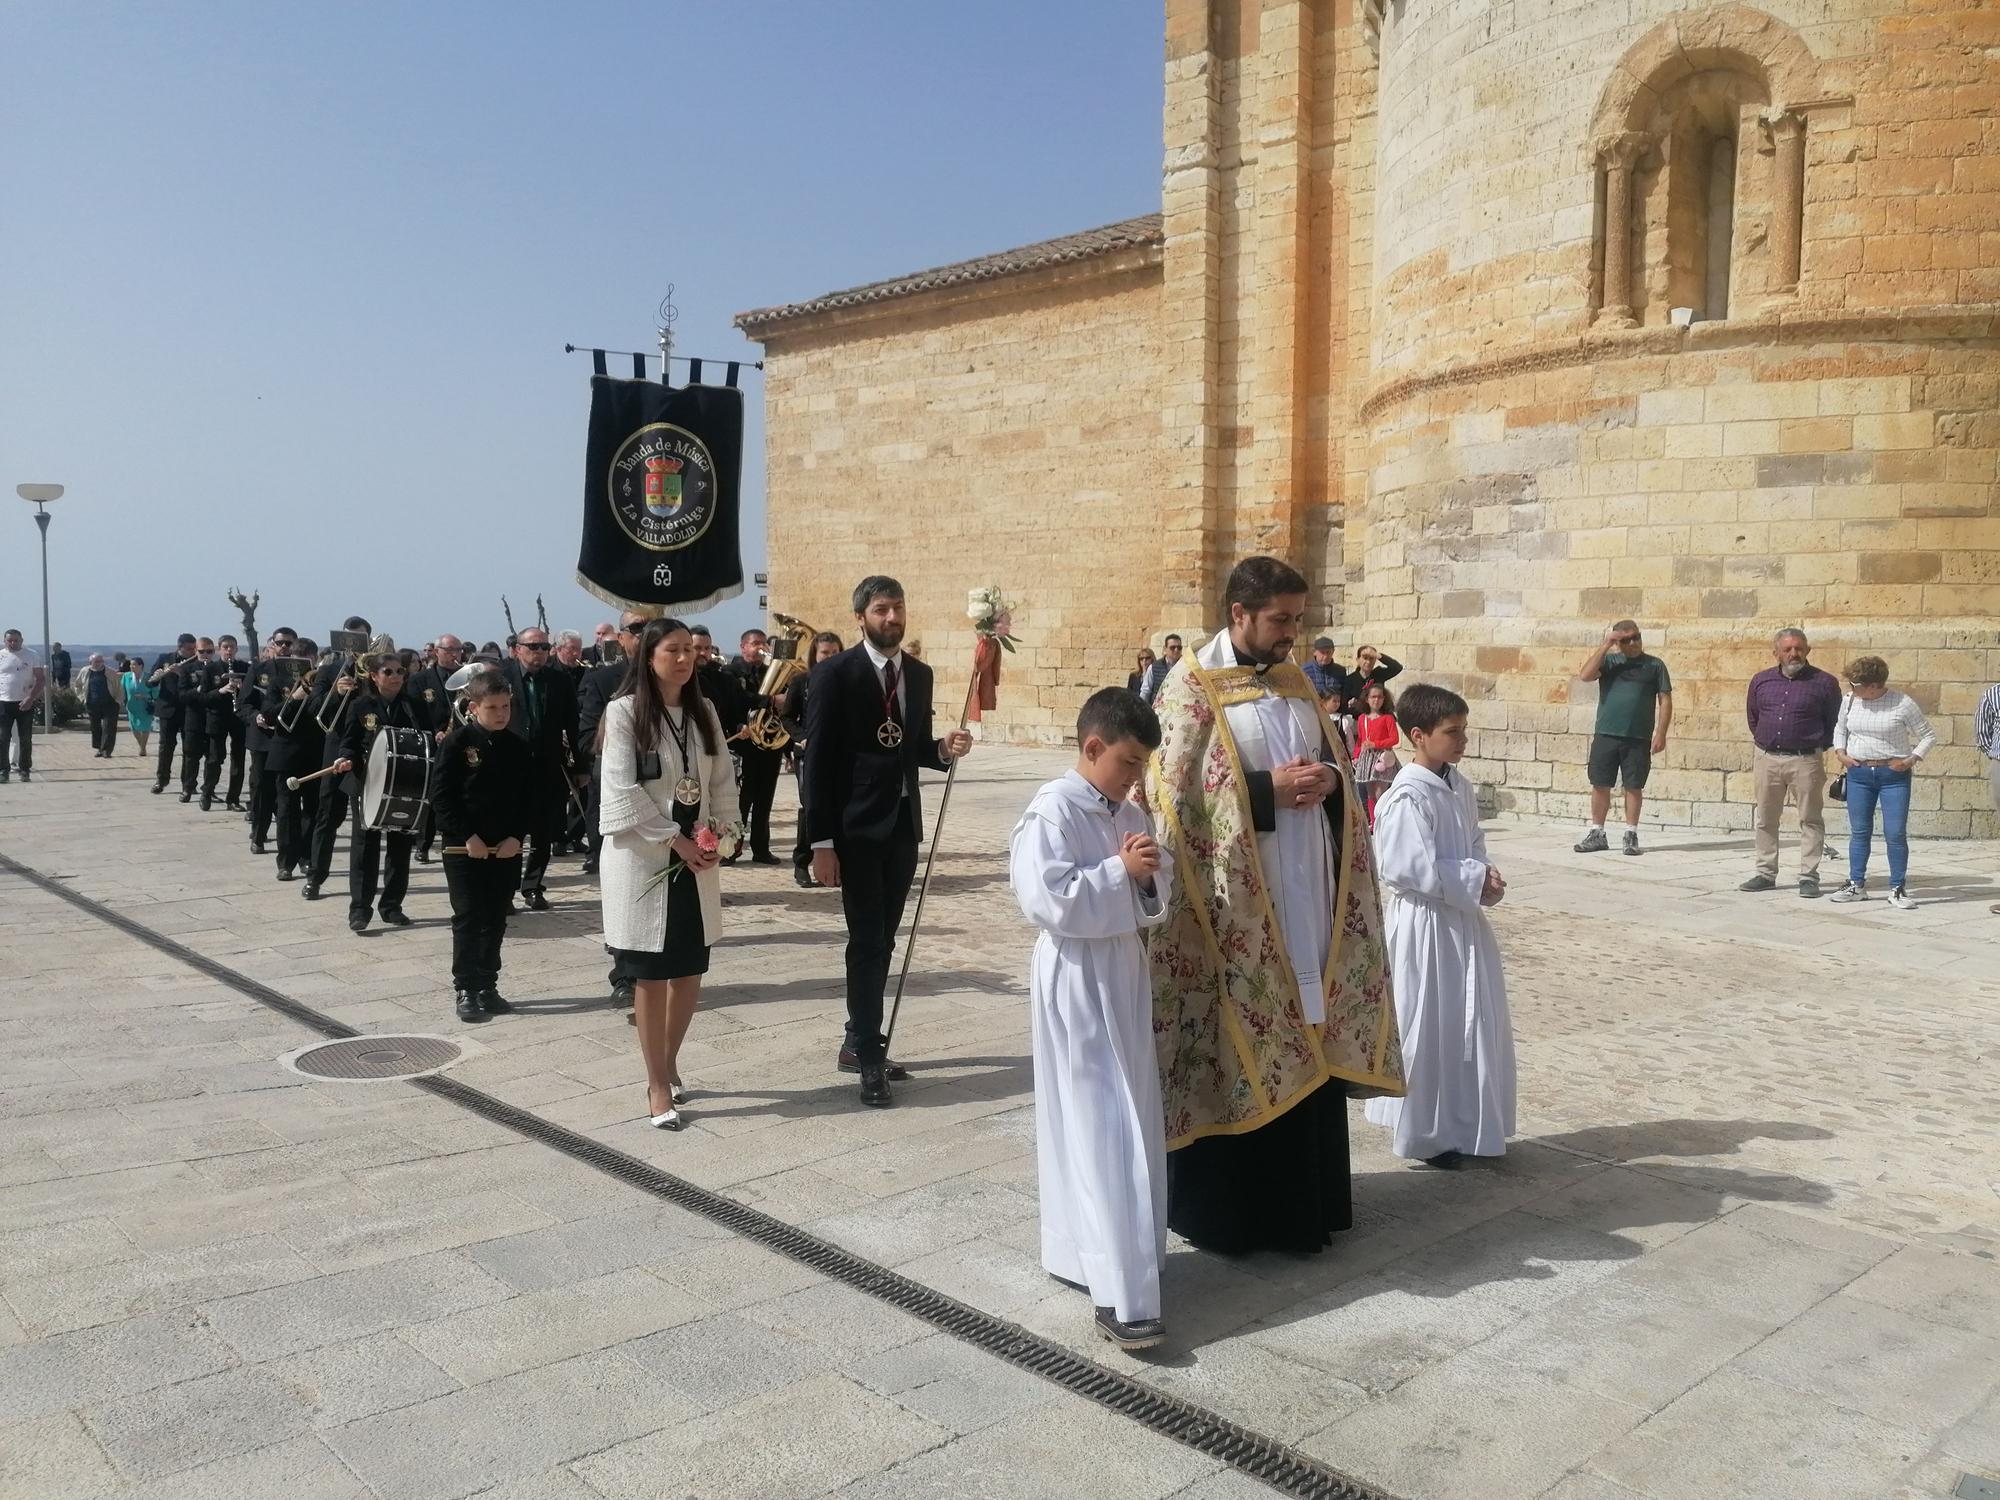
(1809, 887)
(1146, 1334)
(1631, 841)
(1761, 883)
(1592, 842)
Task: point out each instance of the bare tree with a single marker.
(248, 609)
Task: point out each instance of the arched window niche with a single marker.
(1701, 170)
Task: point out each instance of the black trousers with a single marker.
(481, 891)
(104, 718)
(875, 880)
(371, 856)
(230, 742)
(802, 848)
(192, 740)
(756, 789)
(331, 813)
(297, 816)
(13, 716)
(263, 796)
(547, 812)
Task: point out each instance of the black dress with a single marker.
(684, 950)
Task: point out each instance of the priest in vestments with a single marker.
(1271, 997)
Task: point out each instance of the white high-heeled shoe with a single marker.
(679, 1091)
(669, 1120)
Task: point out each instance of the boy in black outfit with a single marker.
(481, 810)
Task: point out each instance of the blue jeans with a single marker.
(1868, 787)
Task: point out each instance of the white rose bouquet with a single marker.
(991, 615)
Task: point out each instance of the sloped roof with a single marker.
(1066, 250)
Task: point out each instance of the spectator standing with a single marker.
(1136, 683)
(1881, 738)
(1170, 657)
(60, 665)
(1792, 708)
(1328, 680)
(1635, 707)
(139, 700)
(100, 701)
(1986, 735)
(1370, 665)
(22, 681)
(1376, 735)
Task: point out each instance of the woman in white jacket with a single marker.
(666, 773)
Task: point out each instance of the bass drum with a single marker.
(398, 784)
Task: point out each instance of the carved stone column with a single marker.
(1788, 207)
(1617, 157)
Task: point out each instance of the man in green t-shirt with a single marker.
(1635, 705)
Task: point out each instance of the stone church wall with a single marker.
(953, 441)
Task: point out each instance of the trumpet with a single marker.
(788, 663)
(293, 709)
(333, 707)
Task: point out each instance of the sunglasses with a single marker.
(533, 645)
(1624, 640)
(389, 672)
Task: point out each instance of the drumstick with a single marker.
(295, 782)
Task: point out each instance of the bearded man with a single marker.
(1271, 1000)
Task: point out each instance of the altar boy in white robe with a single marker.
(1451, 998)
(1087, 872)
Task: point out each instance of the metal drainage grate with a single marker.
(377, 1057)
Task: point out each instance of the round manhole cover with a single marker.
(378, 1057)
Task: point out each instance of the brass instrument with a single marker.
(790, 661)
(298, 674)
(456, 684)
(333, 707)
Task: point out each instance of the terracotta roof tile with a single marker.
(1068, 249)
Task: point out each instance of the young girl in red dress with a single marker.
(1375, 740)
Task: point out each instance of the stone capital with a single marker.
(1622, 149)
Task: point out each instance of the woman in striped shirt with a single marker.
(1880, 737)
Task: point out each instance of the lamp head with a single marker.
(39, 494)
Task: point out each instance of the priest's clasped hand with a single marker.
(1300, 782)
(956, 745)
(1494, 888)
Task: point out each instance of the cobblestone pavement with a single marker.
(1748, 1242)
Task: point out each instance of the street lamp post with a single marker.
(40, 496)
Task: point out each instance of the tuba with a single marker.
(789, 662)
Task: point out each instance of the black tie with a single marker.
(894, 708)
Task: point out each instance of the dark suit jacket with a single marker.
(434, 709)
(852, 784)
(596, 690)
(558, 712)
(179, 692)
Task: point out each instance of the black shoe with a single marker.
(1445, 1161)
(803, 878)
(207, 801)
(493, 1003)
(1145, 1334)
(1758, 883)
(765, 858)
(589, 866)
(535, 900)
(357, 921)
(311, 892)
(622, 994)
(159, 787)
(187, 796)
(467, 1005)
(849, 1061)
(730, 859)
(1809, 887)
(285, 872)
(874, 1086)
(234, 806)
(7, 776)
(396, 919)
(423, 856)
(27, 775)
(257, 846)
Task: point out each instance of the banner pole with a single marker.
(930, 860)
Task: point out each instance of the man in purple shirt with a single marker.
(1791, 708)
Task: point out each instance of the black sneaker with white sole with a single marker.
(1592, 842)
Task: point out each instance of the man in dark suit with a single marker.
(756, 768)
(296, 746)
(544, 716)
(257, 711)
(868, 731)
(175, 717)
(335, 680)
(223, 724)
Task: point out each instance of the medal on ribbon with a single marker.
(889, 735)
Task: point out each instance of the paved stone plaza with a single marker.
(1748, 1243)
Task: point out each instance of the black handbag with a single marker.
(1837, 788)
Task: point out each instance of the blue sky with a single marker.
(284, 290)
